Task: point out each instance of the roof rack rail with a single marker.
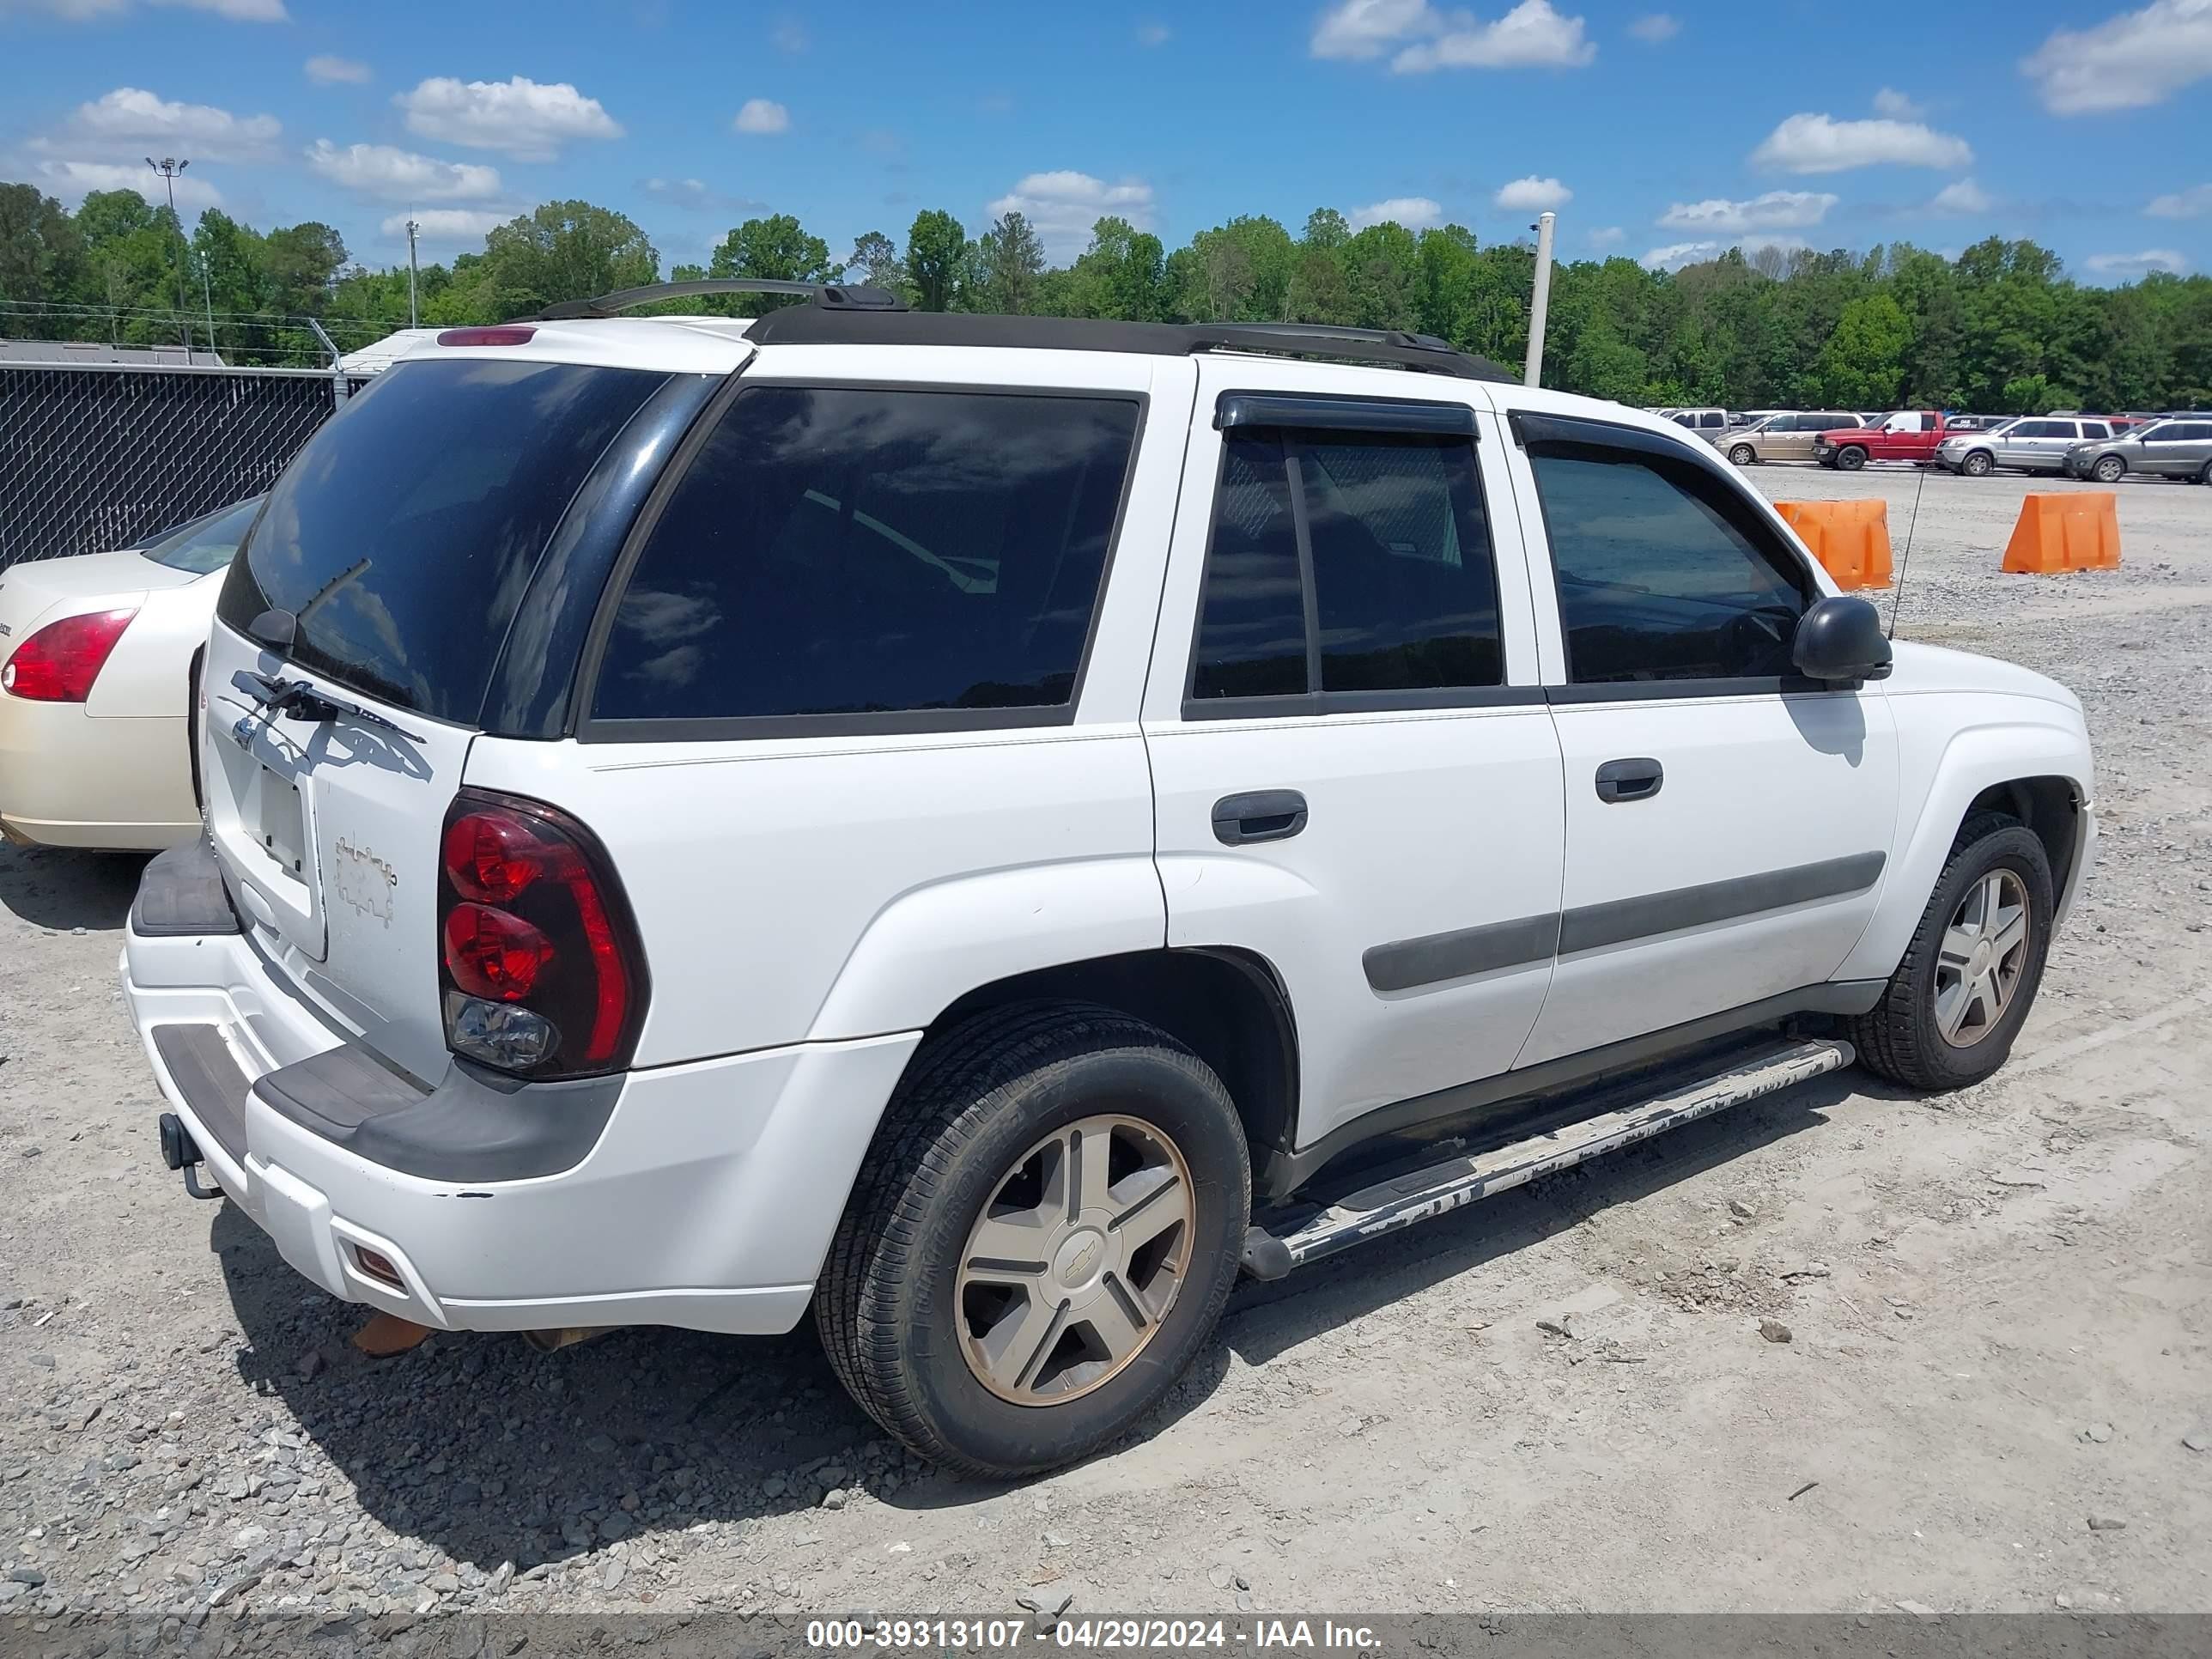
(832, 297)
(849, 325)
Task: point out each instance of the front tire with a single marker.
(1950, 1012)
(1743, 454)
(2110, 469)
(1042, 1241)
(1851, 457)
(1979, 465)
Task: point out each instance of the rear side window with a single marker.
(1663, 573)
(842, 551)
(1389, 531)
(403, 535)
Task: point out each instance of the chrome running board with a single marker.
(1422, 1193)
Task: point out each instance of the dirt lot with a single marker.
(2000, 1303)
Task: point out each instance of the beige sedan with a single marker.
(1787, 436)
(96, 653)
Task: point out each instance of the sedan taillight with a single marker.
(59, 663)
(539, 960)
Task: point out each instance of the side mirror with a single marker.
(1840, 638)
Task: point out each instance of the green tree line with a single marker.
(1999, 329)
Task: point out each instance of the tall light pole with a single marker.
(1539, 299)
(168, 166)
(413, 319)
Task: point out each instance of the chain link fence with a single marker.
(100, 456)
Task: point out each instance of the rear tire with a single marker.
(1950, 1012)
(927, 1317)
(1851, 457)
(1979, 465)
(2109, 469)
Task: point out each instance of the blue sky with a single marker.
(1661, 134)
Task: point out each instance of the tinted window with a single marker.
(1663, 573)
(404, 535)
(2190, 431)
(844, 551)
(2094, 429)
(2042, 430)
(1405, 588)
(1252, 631)
(207, 543)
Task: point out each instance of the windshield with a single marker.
(206, 545)
(401, 538)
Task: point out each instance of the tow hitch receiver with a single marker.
(181, 1152)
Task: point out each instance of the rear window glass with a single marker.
(838, 551)
(206, 545)
(404, 535)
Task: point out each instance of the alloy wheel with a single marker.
(1076, 1259)
(1980, 962)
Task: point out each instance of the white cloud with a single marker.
(131, 117)
(238, 11)
(1154, 35)
(325, 70)
(1892, 104)
(1414, 212)
(1607, 236)
(1964, 196)
(2192, 203)
(83, 11)
(400, 175)
(527, 119)
(1361, 29)
(699, 195)
(1655, 27)
(760, 115)
(1531, 36)
(1533, 195)
(1675, 255)
(448, 225)
(2128, 62)
(71, 180)
(1778, 209)
(2138, 265)
(1820, 143)
(1064, 205)
(789, 35)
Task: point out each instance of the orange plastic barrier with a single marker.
(1849, 539)
(2078, 530)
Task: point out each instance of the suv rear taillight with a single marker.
(538, 954)
(59, 663)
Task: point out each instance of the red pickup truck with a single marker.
(1909, 434)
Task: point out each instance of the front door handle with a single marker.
(1619, 780)
(1265, 815)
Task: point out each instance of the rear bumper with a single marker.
(702, 1195)
(121, 783)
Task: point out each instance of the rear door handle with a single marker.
(1265, 815)
(1638, 779)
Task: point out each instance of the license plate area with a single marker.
(280, 821)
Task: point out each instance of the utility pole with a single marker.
(1540, 298)
(414, 320)
(207, 299)
(168, 166)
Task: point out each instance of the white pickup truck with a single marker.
(990, 826)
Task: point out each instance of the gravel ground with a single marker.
(1992, 1395)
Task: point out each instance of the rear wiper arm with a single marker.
(303, 700)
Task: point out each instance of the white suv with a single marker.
(987, 826)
